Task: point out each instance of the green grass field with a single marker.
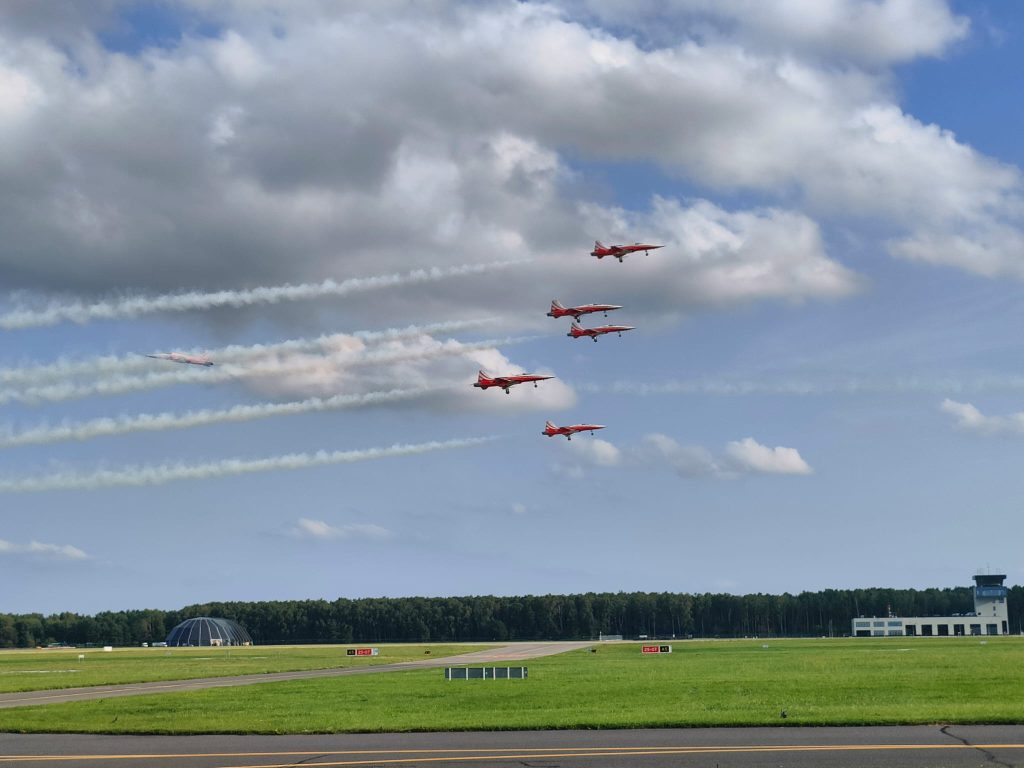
(727, 683)
(45, 670)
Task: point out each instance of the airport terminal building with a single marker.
(989, 617)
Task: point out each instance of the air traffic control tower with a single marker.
(990, 616)
(990, 599)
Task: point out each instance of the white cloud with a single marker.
(449, 367)
(970, 419)
(36, 549)
(750, 455)
(685, 460)
(868, 31)
(203, 165)
(427, 158)
(318, 529)
(596, 452)
(657, 450)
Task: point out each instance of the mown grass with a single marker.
(718, 683)
(51, 669)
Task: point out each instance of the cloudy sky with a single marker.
(353, 207)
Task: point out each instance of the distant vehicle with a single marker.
(576, 332)
(486, 381)
(551, 430)
(618, 251)
(177, 357)
(557, 310)
(158, 645)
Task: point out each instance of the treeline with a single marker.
(547, 617)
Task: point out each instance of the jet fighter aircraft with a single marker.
(551, 430)
(618, 251)
(485, 380)
(177, 357)
(576, 332)
(557, 310)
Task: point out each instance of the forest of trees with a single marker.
(486, 618)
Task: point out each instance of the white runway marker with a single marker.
(158, 474)
(81, 312)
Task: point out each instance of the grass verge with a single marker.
(50, 670)
(718, 683)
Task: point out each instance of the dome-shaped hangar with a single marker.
(206, 631)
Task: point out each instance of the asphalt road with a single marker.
(504, 654)
(874, 747)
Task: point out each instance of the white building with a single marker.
(989, 617)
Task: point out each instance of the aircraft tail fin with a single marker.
(482, 374)
(576, 326)
(598, 244)
(556, 304)
(549, 425)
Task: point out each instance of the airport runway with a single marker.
(505, 654)
(874, 747)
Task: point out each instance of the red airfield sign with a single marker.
(362, 652)
(656, 649)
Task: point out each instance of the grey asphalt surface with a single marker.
(873, 747)
(505, 654)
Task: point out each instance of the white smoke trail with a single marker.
(159, 474)
(79, 312)
(63, 369)
(155, 422)
(808, 387)
(117, 385)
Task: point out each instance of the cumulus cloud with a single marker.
(428, 160)
(714, 256)
(661, 451)
(36, 549)
(970, 419)
(685, 460)
(443, 370)
(749, 455)
(190, 165)
(318, 529)
(596, 452)
(344, 365)
(863, 31)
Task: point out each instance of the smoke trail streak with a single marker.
(807, 387)
(156, 422)
(117, 385)
(48, 373)
(159, 474)
(78, 312)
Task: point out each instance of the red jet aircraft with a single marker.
(618, 251)
(177, 357)
(557, 310)
(575, 331)
(485, 381)
(551, 430)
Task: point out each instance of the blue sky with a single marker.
(820, 392)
